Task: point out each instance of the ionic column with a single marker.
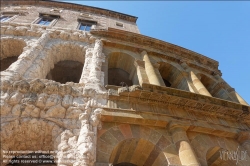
(244, 140)
(25, 60)
(196, 81)
(181, 141)
(153, 74)
(198, 85)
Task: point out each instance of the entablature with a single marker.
(157, 48)
(165, 96)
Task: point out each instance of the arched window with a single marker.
(62, 63)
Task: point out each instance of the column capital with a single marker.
(143, 52)
(156, 65)
(184, 65)
(139, 63)
(243, 137)
(177, 125)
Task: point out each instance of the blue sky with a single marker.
(218, 30)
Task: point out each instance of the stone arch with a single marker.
(172, 76)
(121, 68)
(153, 145)
(208, 147)
(63, 62)
(213, 87)
(29, 135)
(11, 48)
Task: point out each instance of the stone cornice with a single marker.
(168, 96)
(158, 47)
(71, 6)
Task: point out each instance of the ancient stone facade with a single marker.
(110, 96)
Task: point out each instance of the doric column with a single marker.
(244, 140)
(181, 141)
(153, 74)
(25, 60)
(196, 81)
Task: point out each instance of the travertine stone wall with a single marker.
(188, 123)
(68, 18)
(29, 106)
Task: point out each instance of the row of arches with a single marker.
(133, 145)
(64, 62)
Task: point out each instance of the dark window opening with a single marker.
(167, 84)
(66, 71)
(6, 62)
(119, 24)
(119, 77)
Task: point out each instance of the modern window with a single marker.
(85, 25)
(46, 19)
(5, 18)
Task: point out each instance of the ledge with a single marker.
(206, 105)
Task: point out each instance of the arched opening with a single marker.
(66, 71)
(214, 89)
(172, 77)
(10, 50)
(121, 70)
(66, 63)
(135, 152)
(207, 82)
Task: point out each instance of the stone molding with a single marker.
(147, 43)
(78, 7)
(186, 100)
